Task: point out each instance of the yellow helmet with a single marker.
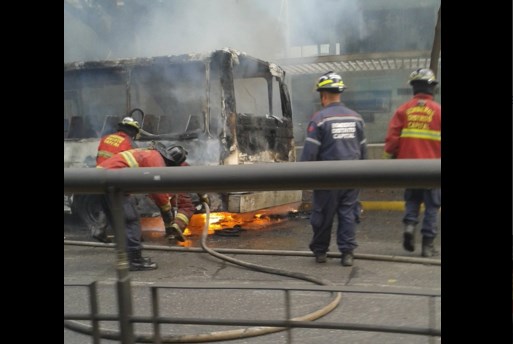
(331, 82)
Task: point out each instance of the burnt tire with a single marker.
(88, 209)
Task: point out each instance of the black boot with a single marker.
(136, 262)
(100, 233)
(428, 249)
(321, 257)
(174, 233)
(409, 237)
(347, 258)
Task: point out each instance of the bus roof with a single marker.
(255, 65)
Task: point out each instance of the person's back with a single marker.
(414, 132)
(334, 133)
(415, 129)
(142, 157)
(119, 141)
(138, 157)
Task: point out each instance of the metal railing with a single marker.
(259, 177)
(156, 319)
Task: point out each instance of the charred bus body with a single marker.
(224, 108)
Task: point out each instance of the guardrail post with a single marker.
(93, 302)
(115, 198)
(288, 315)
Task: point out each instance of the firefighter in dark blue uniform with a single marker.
(334, 133)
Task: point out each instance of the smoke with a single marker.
(198, 26)
(104, 30)
(108, 29)
(324, 21)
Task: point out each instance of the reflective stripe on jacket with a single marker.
(335, 133)
(113, 144)
(141, 157)
(414, 132)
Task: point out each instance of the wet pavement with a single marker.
(377, 292)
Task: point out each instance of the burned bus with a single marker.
(223, 107)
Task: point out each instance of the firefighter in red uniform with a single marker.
(119, 141)
(161, 156)
(414, 132)
(109, 145)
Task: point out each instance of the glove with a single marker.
(167, 217)
(388, 156)
(204, 199)
(173, 231)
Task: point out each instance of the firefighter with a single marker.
(179, 155)
(120, 141)
(334, 133)
(161, 156)
(414, 132)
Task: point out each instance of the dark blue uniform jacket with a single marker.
(335, 133)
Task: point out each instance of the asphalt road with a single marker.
(379, 293)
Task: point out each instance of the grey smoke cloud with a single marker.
(197, 26)
(102, 29)
(153, 28)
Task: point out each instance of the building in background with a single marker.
(373, 44)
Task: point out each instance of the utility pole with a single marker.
(435, 50)
(284, 18)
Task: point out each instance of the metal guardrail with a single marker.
(257, 177)
(157, 319)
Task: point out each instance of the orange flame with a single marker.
(153, 227)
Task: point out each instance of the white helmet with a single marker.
(129, 121)
(423, 74)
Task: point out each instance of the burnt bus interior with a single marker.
(223, 107)
(237, 105)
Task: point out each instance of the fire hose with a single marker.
(228, 334)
